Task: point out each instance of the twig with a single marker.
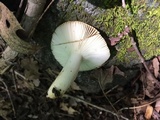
(67, 115)
(42, 15)
(135, 116)
(141, 57)
(20, 75)
(107, 97)
(139, 54)
(20, 7)
(6, 87)
(140, 106)
(14, 80)
(95, 106)
(119, 100)
(111, 89)
(5, 69)
(45, 10)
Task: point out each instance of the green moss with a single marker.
(144, 20)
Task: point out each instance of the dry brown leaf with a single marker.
(118, 71)
(155, 63)
(31, 73)
(71, 111)
(140, 110)
(25, 84)
(31, 68)
(157, 106)
(149, 111)
(105, 76)
(36, 82)
(8, 54)
(74, 86)
(151, 84)
(64, 107)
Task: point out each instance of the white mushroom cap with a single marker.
(78, 47)
(75, 36)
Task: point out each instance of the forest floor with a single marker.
(117, 93)
(24, 83)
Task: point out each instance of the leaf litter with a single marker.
(139, 94)
(145, 104)
(119, 96)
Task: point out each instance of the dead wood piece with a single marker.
(33, 12)
(10, 30)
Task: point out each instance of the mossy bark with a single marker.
(108, 16)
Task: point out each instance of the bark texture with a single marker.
(32, 13)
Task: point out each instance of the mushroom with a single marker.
(77, 46)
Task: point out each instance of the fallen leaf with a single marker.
(36, 82)
(33, 116)
(30, 68)
(105, 76)
(149, 111)
(74, 86)
(118, 71)
(31, 73)
(157, 106)
(71, 111)
(155, 63)
(151, 84)
(8, 54)
(25, 84)
(64, 107)
(73, 102)
(140, 110)
(155, 115)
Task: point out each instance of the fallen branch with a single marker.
(34, 9)
(12, 32)
(41, 17)
(97, 107)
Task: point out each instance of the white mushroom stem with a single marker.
(66, 76)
